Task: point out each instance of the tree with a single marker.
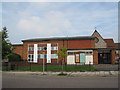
(62, 54)
(14, 57)
(6, 45)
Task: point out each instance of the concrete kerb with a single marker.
(97, 73)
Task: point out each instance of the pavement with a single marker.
(106, 67)
(82, 74)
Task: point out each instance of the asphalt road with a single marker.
(37, 81)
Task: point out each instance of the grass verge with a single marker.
(67, 68)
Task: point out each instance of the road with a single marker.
(44, 81)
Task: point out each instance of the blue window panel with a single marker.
(82, 57)
(54, 56)
(42, 56)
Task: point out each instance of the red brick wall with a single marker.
(113, 56)
(71, 44)
(81, 44)
(95, 57)
(19, 50)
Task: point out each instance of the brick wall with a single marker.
(18, 49)
(71, 44)
(81, 44)
(113, 56)
(95, 57)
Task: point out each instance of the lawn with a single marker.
(53, 68)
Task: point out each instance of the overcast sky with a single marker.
(26, 20)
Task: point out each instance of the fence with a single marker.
(26, 66)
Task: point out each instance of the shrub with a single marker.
(12, 57)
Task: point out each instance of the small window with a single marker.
(30, 57)
(88, 52)
(38, 56)
(42, 48)
(54, 56)
(54, 48)
(96, 40)
(71, 53)
(42, 56)
(30, 48)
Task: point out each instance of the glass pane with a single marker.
(54, 56)
(32, 56)
(38, 55)
(82, 57)
(41, 56)
(28, 56)
(77, 56)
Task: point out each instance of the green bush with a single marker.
(12, 57)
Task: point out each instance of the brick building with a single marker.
(88, 49)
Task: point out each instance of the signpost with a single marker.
(44, 60)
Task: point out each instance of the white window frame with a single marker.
(31, 58)
(30, 48)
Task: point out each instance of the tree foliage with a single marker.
(6, 45)
(14, 57)
(61, 55)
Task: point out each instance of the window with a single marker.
(77, 60)
(71, 53)
(54, 48)
(30, 57)
(41, 56)
(96, 40)
(38, 56)
(54, 56)
(41, 49)
(88, 52)
(30, 48)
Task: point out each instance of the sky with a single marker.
(26, 20)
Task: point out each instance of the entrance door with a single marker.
(80, 57)
(77, 58)
(104, 58)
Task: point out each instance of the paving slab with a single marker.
(97, 73)
(102, 73)
(107, 73)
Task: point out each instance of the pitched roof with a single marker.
(59, 38)
(110, 43)
(98, 33)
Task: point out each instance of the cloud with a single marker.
(30, 20)
(52, 23)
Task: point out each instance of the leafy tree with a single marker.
(62, 54)
(14, 57)
(6, 45)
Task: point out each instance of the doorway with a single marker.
(104, 58)
(79, 57)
